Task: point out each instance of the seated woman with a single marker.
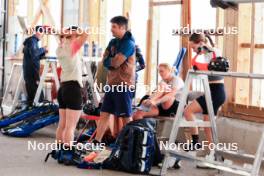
(164, 101)
(200, 44)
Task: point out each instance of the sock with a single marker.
(96, 141)
(195, 139)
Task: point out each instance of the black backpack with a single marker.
(219, 64)
(136, 149)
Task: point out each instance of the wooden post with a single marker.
(127, 5)
(243, 57)
(252, 52)
(93, 20)
(186, 22)
(62, 13)
(149, 45)
(230, 48)
(102, 23)
(30, 6)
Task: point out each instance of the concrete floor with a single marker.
(16, 160)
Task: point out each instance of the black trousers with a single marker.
(31, 88)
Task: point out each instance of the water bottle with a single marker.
(86, 49)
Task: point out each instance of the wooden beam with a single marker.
(38, 14)
(162, 3)
(243, 58)
(248, 45)
(48, 16)
(149, 45)
(62, 13)
(186, 22)
(127, 5)
(252, 49)
(244, 112)
(81, 12)
(219, 40)
(257, 88)
(30, 5)
(93, 20)
(11, 7)
(102, 23)
(229, 44)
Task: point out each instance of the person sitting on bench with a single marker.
(162, 102)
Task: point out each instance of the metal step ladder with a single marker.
(50, 62)
(179, 121)
(14, 89)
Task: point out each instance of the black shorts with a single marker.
(168, 112)
(218, 95)
(69, 96)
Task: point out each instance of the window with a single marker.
(166, 46)
(114, 8)
(138, 21)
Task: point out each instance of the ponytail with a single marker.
(210, 40)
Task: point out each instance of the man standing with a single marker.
(119, 59)
(31, 62)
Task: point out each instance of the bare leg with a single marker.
(208, 132)
(168, 104)
(72, 118)
(126, 120)
(120, 125)
(189, 112)
(112, 124)
(141, 114)
(61, 125)
(103, 124)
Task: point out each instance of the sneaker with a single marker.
(177, 164)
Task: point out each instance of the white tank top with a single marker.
(71, 65)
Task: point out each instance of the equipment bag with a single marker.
(135, 149)
(26, 127)
(219, 64)
(26, 114)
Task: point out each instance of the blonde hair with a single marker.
(167, 67)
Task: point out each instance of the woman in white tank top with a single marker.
(69, 94)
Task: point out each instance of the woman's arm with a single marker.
(79, 42)
(166, 96)
(163, 93)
